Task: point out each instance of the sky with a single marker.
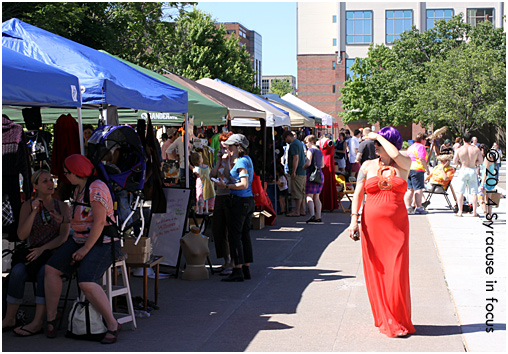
(274, 21)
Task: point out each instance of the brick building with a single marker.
(330, 35)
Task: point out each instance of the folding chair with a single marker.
(438, 189)
(345, 189)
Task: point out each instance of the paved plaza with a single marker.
(307, 293)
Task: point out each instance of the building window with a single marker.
(333, 65)
(358, 27)
(334, 42)
(349, 72)
(333, 88)
(334, 18)
(439, 14)
(475, 16)
(397, 21)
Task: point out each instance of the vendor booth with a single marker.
(299, 118)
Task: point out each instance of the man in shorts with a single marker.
(353, 145)
(467, 157)
(416, 180)
(296, 160)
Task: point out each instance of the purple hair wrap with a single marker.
(392, 135)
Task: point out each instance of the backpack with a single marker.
(85, 322)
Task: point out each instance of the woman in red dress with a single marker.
(385, 233)
(328, 195)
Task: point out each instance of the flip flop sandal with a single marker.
(30, 333)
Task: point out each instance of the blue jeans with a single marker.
(16, 288)
(92, 267)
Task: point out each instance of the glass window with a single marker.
(434, 15)
(358, 27)
(349, 72)
(475, 16)
(397, 21)
(334, 18)
(334, 42)
(333, 65)
(333, 88)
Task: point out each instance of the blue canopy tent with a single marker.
(104, 80)
(28, 82)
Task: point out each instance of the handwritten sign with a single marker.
(166, 229)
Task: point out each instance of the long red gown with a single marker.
(385, 251)
(328, 195)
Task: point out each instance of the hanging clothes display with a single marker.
(328, 195)
(15, 161)
(39, 142)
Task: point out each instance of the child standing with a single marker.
(204, 186)
(282, 184)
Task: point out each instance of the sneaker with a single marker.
(420, 210)
(410, 210)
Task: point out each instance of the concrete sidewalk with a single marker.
(307, 293)
(462, 246)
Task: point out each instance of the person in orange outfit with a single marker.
(385, 233)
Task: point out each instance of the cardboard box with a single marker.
(139, 253)
(258, 219)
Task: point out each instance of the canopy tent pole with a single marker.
(186, 148)
(274, 172)
(80, 126)
(263, 126)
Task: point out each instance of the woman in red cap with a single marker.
(89, 247)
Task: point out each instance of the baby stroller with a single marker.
(119, 158)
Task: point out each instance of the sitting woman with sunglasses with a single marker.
(90, 247)
(385, 233)
(43, 235)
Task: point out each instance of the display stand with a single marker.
(192, 214)
(167, 228)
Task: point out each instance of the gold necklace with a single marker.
(385, 182)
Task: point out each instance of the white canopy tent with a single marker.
(325, 118)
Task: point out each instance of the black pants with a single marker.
(239, 227)
(220, 222)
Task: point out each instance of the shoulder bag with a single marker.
(85, 322)
(315, 175)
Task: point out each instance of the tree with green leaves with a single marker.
(281, 87)
(199, 49)
(405, 83)
(134, 31)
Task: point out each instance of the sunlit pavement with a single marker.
(307, 293)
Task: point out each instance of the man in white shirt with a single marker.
(353, 145)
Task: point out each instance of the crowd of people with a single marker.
(393, 182)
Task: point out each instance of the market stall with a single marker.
(298, 117)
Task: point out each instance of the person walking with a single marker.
(242, 207)
(416, 180)
(296, 160)
(488, 179)
(315, 159)
(467, 158)
(385, 233)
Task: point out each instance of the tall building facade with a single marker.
(252, 42)
(267, 82)
(331, 35)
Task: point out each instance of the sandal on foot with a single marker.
(30, 333)
(50, 333)
(113, 339)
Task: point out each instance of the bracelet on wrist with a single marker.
(355, 214)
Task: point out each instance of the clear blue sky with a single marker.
(274, 21)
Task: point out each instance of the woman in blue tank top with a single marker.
(242, 207)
